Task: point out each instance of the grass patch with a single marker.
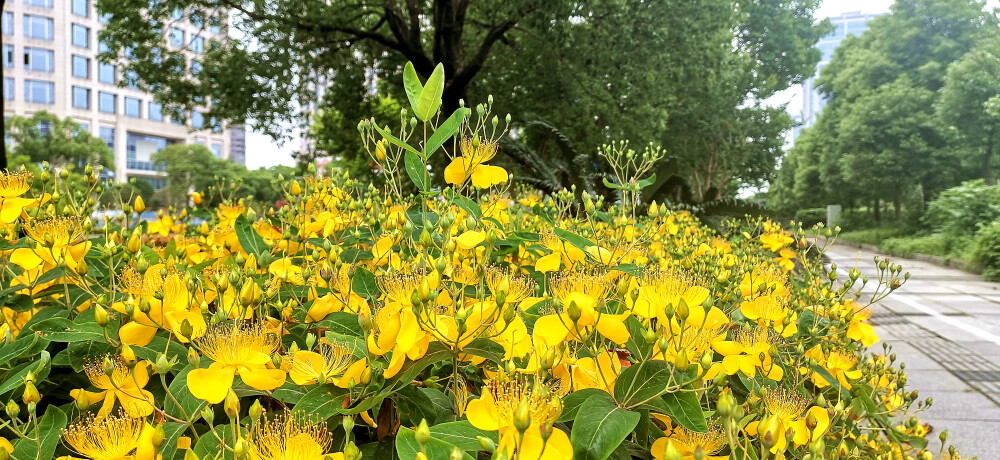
(870, 236)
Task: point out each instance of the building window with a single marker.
(39, 92)
(81, 8)
(84, 127)
(39, 60)
(81, 36)
(177, 37)
(8, 56)
(8, 89)
(197, 119)
(8, 23)
(81, 67)
(155, 111)
(214, 25)
(131, 79)
(107, 102)
(139, 151)
(37, 27)
(106, 73)
(81, 97)
(215, 125)
(108, 136)
(133, 107)
(217, 150)
(43, 127)
(178, 14)
(198, 19)
(197, 44)
(41, 3)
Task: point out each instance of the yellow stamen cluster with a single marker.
(544, 404)
(754, 339)
(56, 231)
(14, 183)
(711, 441)
(290, 436)
(398, 287)
(784, 403)
(100, 378)
(667, 284)
(550, 240)
(478, 152)
(110, 437)
(515, 288)
(594, 284)
(235, 343)
(336, 360)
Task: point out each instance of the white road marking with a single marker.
(904, 298)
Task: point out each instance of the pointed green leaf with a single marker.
(446, 131)
(415, 169)
(599, 428)
(250, 240)
(45, 439)
(430, 95)
(364, 283)
(393, 139)
(411, 82)
(684, 408)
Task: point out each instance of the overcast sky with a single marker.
(263, 152)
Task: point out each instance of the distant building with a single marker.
(238, 145)
(854, 23)
(50, 64)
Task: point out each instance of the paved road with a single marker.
(945, 325)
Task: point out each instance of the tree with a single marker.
(599, 71)
(193, 168)
(964, 101)
(61, 142)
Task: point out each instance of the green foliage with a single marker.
(962, 210)
(193, 168)
(596, 70)
(879, 136)
(810, 216)
(986, 251)
(873, 236)
(60, 141)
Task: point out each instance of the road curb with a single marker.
(937, 260)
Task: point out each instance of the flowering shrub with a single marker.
(455, 324)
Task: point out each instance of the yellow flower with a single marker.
(287, 271)
(858, 329)
(330, 363)
(514, 288)
(13, 184)
(598, 373)
(291, 437)
(786, 259)
(58, 239)
(507, 403)
(770, 310)
(687, 442)
(118, 437)
(776, 241)
(748, 351)
(227, 213)
(475, 152)
(658, 289)
(787, 411)
(562, 253)
(579, 314)
(394, 328)
(839, 363)
(242, 349)
(122, 385)
(169, 312)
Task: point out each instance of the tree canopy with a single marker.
(60, 141)
(906, 108)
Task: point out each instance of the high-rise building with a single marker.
(50, 64)
(854, 23)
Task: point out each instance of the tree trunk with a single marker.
(878, 210)
(898, 203)
(988, 159)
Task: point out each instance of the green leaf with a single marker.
(173, 431)
(599, 428)
(647, 181)
(250, 240)
(574, 239)
(573, 401)
(485, 348)
(393, 139)
(188, 403)
(341, 322)
(613, 185)
(49, 430)
(10, 351)
(462, 435)
(407, 447)
(466, 203)
(435, 353)
(64, 330)
(411, 82)
(430, 96)
(363, 283)
(15, 377)
(208, 447)
(416, 170)
(323, 401)
(641, 382)
(684, 408)
(445, 132)
(631, 269)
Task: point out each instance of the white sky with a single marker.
(264, 152)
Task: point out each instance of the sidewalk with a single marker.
(945, 325)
